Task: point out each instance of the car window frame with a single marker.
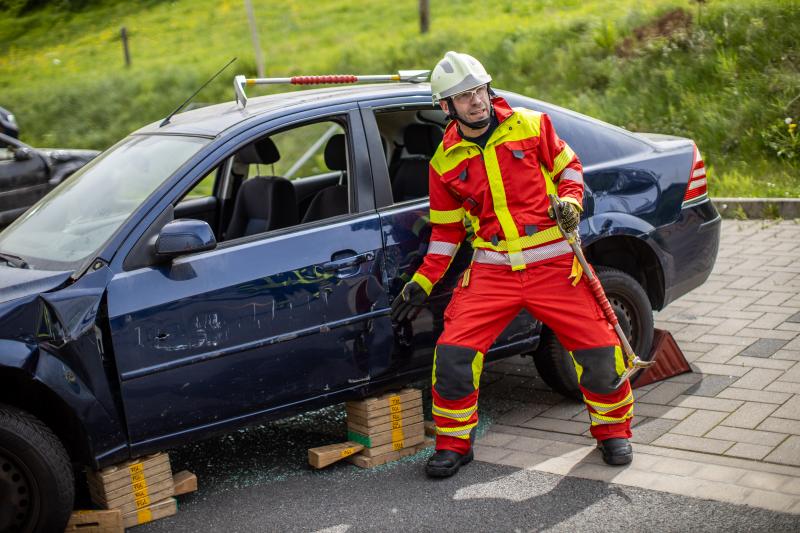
(218, 153)
(381, 179)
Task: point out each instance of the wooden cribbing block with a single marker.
(408, 441)
(388, 426)
(121, 470)
(132, 485)
(154, 511)
(184, 482)
(107, 521)
(379, 412)
(128, 493)
(325, 455)
(108, 489)
(393, 435)
(369, 462)
(385, 400)
(404, 411)
(142, 498)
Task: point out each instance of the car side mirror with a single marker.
(184, 236)
(23, 154)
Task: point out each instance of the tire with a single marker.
(635, 315)
(35, 475)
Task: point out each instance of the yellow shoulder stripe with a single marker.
(447, 217)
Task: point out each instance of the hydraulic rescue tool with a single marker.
(633, 362)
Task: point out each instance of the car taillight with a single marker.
(697, 187)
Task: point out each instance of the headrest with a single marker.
(422, 139)
(260, 152)
(335, 153)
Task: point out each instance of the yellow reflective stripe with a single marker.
(523, 123)
(603, 408)
(446, 160)
(501, 208)
(578, 367)
(602, 419)
(452, 413)
(456, 431)
(451, 417)
(433, 371)
(619, 361)
(562, 160)
(477, 368)
(424, 282)
(447, 217)
(548, 180)
(542, 237)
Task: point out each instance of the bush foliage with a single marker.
(725, 72)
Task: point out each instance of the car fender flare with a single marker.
(29, 369)
(605, 227)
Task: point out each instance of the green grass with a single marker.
(726, 80)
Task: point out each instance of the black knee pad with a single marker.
(454, 378)
(599, 369)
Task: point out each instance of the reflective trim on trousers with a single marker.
(462, 432)
(602, 419)
(531, 255)
(603, 408)
(461, 415)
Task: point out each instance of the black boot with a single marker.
(616, 451)
(445, 463)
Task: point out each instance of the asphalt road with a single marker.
(258, 480)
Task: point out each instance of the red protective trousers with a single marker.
(486, 299)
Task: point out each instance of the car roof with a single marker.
(214, 119)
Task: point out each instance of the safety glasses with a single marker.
(464, 97)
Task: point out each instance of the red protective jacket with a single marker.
(502, 191)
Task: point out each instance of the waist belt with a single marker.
(531, 255)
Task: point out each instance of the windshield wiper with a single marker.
(14, 261)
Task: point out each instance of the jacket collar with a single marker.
(451, 135)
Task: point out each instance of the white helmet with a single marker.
(457, 73)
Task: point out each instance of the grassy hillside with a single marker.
(726, 74)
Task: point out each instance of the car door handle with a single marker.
(347, 262)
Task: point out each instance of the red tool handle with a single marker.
(605, 305)
(315, 80)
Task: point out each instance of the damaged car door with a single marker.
(263, 322)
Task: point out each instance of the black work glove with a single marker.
(410, 299)
(569, 216)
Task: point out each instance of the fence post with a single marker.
(254, 35)
(124, 35)
(424, 16)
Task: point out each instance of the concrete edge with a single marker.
(757, 208)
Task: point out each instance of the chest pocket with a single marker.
(521, 153)
(467, 181)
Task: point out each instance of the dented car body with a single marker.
(134, 318)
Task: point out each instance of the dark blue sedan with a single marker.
(237, 264)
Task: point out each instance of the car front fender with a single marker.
(37, 381)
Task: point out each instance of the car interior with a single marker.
(301, 175)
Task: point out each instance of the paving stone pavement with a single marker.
(728, 431)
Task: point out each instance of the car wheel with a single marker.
(36, 480)
(635, 315)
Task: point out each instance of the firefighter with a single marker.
(495, 166)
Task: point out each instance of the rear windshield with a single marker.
(76, 218)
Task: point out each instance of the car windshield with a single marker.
(72, 222)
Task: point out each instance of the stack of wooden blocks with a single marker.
(389, 427)
(137, 491)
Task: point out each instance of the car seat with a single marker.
(263, 203)
(410, 178)
(332, 200)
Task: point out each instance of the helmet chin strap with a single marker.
(476, 125)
